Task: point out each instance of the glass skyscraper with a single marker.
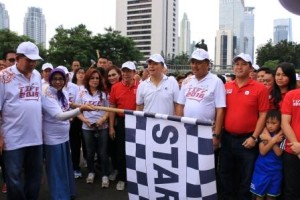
(35, 25)
(4, 18)
(282, 30)
(230, 36)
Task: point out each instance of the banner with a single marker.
(168, 159)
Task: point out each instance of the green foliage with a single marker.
(10, 40)
(79, 44)
(282, 51)
(272, 64)
(181, 59)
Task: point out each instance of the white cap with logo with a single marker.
(30, 50)
(158, 59)
(243, 56)
(200, 54)
(63, 68)
(47, 66)
(129, 65)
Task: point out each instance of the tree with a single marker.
(10, 40)
(181, 59)
(115, 47)
(78, 43)
(71, 44)
(282, 51)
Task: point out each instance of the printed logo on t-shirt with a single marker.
(247, 92)
(228, 91)
(296, 102)
(29, 92)
(196, 93)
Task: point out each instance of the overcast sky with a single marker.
(97, 15)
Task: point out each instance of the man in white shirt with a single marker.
(46, 70)
(158, 93)
(21, 126)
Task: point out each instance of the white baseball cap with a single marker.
(243, 56)
(297, 77)
(63, 68)
(255, 66)
(200, 54)
(30, 50)
(47, 66)
(158, 59)
(130, 65)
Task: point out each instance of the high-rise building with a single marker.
(230, 36)
(4, 18)
(152, 24)
(35, 25)
(185, 35)
(249, 31)
(282, 30)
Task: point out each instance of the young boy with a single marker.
(267, 175)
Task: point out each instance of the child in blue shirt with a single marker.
(267, 175)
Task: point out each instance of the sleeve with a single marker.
(2, 91)
(52, 107)
(140, 94)
(112, 95)
(181, 96)
(263, 99)
(220, 94)
(176, 90)
(286, 107)
(68, 114)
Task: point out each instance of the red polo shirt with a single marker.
(244, 105)
(291, 106)
(123, 96)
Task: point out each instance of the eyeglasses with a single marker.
(11, 60)
(94, 78)
(58, 79)
(110, 75)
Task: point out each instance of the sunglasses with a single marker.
(110, 75)
(11, 60)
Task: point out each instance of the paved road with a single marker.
(86, 191)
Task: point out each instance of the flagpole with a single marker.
(108, 109)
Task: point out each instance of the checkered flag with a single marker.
(180, 166)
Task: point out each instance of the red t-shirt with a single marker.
(291, 106)
(244, 105)
(123, 96)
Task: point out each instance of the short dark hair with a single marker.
(7, 52)
(274, 114)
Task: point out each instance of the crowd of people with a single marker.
(51, 118)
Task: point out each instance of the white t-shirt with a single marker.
(55, 131)
(45, 84)
(158, 99)
(72, 90)
(201, 98)
(20, 105)
(85, 98)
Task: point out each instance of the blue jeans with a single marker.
(236, 167)
(96, 142)
(27, 160)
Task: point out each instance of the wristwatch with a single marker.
(254, 138)
(217, 136)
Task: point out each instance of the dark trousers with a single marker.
(236, 167)
(120, 142)
(2, 167)
(25, 161)
(291, 176)
(76, 140)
